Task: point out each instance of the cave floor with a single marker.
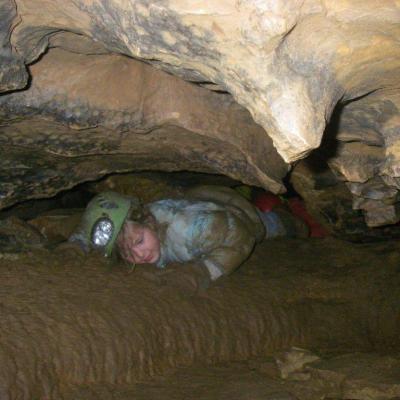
(360, 376)
(334, 333)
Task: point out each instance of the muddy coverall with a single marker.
(213, 225)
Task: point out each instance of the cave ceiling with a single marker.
(245, 88)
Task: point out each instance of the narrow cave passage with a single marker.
(281, 95)
(301, 319)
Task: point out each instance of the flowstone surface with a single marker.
(76, 328)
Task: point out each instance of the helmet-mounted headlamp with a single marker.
(102, 232)
(104, 218)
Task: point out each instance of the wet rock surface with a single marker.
(341, 212)
(261, 53)
(79, 328)
(87, 116)
(18, 235)
(359, 376)
(77, 104)
(354, 376)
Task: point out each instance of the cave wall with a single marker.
(119, 115)
(287, 62)
(291, 64)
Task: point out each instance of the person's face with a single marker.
(138, 244)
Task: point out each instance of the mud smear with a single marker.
(75, 328)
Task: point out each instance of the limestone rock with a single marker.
(103, 108)
(360, 376)
(306, 71)
(292, 363)
(261, 43)
(13, 73)
(16, 235)
(382, 215)
(57, 225)
(147, 187)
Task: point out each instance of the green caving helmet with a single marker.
(103, 219)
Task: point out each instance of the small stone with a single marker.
(291, 363)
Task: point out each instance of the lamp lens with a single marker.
(102, 232)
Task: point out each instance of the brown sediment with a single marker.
(68, 322)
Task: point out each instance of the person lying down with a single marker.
(212, 228)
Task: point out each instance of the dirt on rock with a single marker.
(81, 328)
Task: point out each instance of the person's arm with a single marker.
(224, 260)
(229, 244)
